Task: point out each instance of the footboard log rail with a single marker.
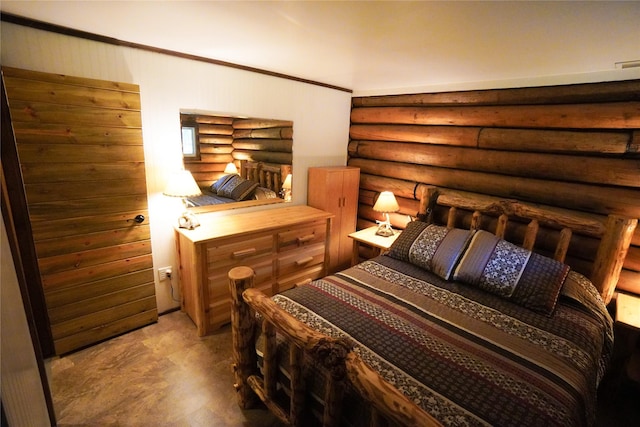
(335, 355)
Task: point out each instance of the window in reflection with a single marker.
(189, 146)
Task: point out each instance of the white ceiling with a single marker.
(374, 46)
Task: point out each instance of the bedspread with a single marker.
(208, 198)
(464, 355)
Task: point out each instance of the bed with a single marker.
(452, 327)
(255, 181)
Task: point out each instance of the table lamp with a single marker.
(181, 184)
(286, 188)
(386, 203)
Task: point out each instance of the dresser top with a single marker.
(249, 222)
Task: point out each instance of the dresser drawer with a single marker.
(300, 278)
(302, 236)
(299, 260)
(234, 252)
(218, 278)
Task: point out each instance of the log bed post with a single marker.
(330, 353)
(611, 254)
(242, 333)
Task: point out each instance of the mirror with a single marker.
(236, 161)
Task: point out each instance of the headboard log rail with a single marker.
(615, 232)
(583, 223)
(268, 175)
(566, 235)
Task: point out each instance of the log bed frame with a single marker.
(268, 175)
(335, 355)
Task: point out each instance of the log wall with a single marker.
(223, 139)
(574, 146)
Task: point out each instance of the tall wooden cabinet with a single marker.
(335, 189)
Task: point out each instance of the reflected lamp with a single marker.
(286, 188)
(386, 204)
(181, 184)
(230, 168)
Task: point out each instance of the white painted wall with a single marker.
(168, 84)
(22, 393)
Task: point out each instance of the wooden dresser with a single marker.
(285, 247)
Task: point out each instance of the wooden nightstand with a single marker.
(628, 310)
(368, 237)
(628, 315)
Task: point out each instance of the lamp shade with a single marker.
(182, 184)
(230, 168)
(287, 183)
(386, 203)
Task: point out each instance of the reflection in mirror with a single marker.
(259, 149)
(189, 144)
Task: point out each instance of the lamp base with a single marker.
(384, 230)
(285, 194)
(188, 221)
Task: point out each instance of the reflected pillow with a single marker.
(263, 193)
(237, 188)
(216, 186)
(509, 271)
(432, 247)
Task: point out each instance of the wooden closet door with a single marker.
(335, 189)
(333, 184)
(79, 143)
(349, 213)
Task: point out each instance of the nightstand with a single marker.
(628, 315)
(369, 237)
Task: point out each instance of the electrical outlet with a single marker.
(164, 273)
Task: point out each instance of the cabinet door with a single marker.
(325, 192)
(348, 216)
(333, 189)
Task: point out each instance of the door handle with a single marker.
(139, 219)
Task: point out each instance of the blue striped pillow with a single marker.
(509, 271)
(432, 247)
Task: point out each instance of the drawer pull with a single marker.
(244, 253)
(302, 282)
(305, 239)
(304, 261)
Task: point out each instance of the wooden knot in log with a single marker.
(332, 354)
(502, 207)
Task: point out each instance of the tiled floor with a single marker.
(160, 375)
(165, 375)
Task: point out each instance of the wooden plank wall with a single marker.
(80, 148)
(574, 146)
(224, 139)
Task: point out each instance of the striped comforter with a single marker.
(466, 356)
